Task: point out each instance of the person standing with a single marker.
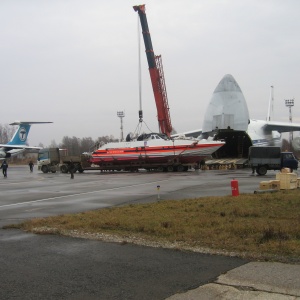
(71, 169)
(4, 167)
(31, 166)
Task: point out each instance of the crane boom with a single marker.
(156, 75)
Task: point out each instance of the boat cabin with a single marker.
(152, 136)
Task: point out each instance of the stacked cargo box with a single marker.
(288, 181)
(285, 180)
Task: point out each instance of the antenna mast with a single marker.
(271, 105)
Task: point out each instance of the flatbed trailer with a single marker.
(52, 160)
(135, 166)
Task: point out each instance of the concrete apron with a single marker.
(255, 280)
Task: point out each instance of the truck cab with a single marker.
(288, 160)
(48, 158)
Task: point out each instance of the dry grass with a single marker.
(255, 225)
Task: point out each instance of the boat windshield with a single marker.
(152, 136)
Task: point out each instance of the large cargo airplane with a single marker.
(227, 118)
(18, 142)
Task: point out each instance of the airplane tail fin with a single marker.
(20, 136)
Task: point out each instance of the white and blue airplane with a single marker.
(227, 118)
(18, 142)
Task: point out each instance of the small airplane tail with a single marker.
(20, 136)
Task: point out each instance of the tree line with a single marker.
(6, 133)
(77, 146)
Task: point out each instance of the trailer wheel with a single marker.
(180, 168)
(261, 170)
(64, 169)
(170, 168)
(45, 169)
(160, 169)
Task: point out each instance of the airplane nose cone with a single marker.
(227, 84)
(227, 108)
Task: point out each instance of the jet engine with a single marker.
(4, 154)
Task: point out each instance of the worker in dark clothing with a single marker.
(31, 166)
(4, 167)
(71, 169)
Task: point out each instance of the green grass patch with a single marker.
(257, 225)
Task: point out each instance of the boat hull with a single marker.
(171, 153)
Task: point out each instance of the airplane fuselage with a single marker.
(227, 118)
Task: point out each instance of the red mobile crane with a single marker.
(156, 75)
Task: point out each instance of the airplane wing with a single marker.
(193, 133)
(28, 122)
(281, 126)
(11, 147)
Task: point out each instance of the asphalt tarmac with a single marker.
(56, 267)
(27, 195)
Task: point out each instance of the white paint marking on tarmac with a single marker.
(85, 193)
(34, 209)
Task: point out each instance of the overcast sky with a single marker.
(76, 62)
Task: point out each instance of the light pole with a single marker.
(290, 103)
(121, 115)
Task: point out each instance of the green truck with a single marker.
(55, 159)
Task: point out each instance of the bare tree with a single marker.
(87, 144)
(76, 146)
(53, 144)
(285, 145)
(6, 133)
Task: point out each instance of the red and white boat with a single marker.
(155, 151)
